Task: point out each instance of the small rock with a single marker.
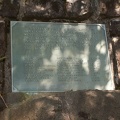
(9, 8)
(110, 8)
(115, 27)
(44, 9)
(78, 9)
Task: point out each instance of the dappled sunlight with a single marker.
(99, 87)
(39, 8)
(92, 93)
(79, 7)
(107, 68)
(90, 99)
(117, 9)
(91, 103)
(85, 58)
(110, 95)
(86, 67)
(60, 57)
(68, 54)
(109, 85)
(99, 27)
(85, 64)
(56, 55)
(14, 68)
(39, 104)
(83, 28)
(46, 83)
(53, 98)
(97, 64)
(23, 58)
(66, 116)
(115, 39)
(46, 62)
(65, 28)
(51, 112)
(101, 47)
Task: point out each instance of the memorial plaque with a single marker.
(54, 57)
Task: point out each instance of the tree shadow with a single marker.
(39, 108)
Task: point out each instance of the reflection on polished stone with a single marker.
(59, 57)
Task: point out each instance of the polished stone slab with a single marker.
(59, 56)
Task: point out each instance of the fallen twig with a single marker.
(3, 101)
(2, 58)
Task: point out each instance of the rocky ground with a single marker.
(71, 105)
